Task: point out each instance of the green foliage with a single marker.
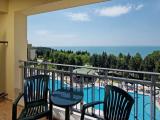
(136, 62)
(150, 63)
(158, 66)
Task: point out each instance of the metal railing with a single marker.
(142, 86)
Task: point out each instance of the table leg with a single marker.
(67, 115)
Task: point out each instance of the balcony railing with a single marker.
(143, 86)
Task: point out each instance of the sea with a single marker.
(132, 50)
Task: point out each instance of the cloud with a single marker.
(139, 7)
(114, 11)
(83, 17)
(118, 10)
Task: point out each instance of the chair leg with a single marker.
(82, 115)
(50, 116)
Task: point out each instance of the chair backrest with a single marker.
(36, 88)
(117, 103)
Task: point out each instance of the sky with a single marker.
(113, 23)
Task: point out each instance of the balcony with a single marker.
(142, 86)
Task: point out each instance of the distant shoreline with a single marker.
(132, 50)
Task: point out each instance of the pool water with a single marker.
(99, 95)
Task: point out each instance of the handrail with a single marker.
(97, 68)
(139, 81)
(4, 42)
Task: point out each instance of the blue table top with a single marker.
(66, 97)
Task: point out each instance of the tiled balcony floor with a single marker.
(6, 112)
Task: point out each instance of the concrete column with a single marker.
(20, 53)
(3, 48)
(16, 35)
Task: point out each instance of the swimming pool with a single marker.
(99, 95)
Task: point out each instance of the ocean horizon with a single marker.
(132, 50)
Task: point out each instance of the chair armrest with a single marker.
(49, 96)
(92, 104)
(18, 98)
(14, 108)
(49, 93)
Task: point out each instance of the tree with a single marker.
(105, 59)
(150, 63)
(136, 62)
(158, 66)
(121, 61)
(79, 60)
(71, 59)
(112, 60)
(94, 60)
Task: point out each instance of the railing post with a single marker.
(71, 84)
(31, 70)
(45, 69)
(93, 93)
(136, 97)
(153, 113)
(81, 87)
(71, 77)
(105, 78)
(62, 80)
(23, 76)
(53, 81)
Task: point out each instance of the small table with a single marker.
(66, 98)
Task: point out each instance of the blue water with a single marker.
(99, 95)
(144, 51)
(57, 85)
